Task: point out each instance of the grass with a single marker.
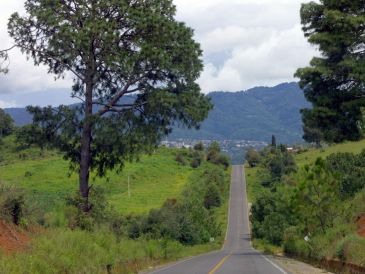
(254, 187)
(310, 156)
(152, 180)
(66, 251)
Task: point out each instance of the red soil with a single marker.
(361, 226)
(12, 238)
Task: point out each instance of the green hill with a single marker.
(255, 114)
(152, 180)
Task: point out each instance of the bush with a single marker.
(65, 251)
(12, 204)
(253, 157)
(180, 158)
(212, 197)
(199, 147)
(100, 212)
(351, 250)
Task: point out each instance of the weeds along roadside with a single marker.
(198, 217)
(312, 211)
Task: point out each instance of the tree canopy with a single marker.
(134, 69)
(6, 124)
(334, 82)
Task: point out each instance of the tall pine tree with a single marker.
(334, 82)
(134, 68)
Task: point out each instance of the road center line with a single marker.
(219, 265)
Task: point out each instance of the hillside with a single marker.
(322, 199)
(255, 114)
(152, 180)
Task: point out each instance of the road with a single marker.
(237, 255)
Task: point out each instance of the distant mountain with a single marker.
(255, 114)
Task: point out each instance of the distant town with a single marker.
(234, 148)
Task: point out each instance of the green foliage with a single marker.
(278, 162)
(317, 197)
(148, 54)
(6, 124)
(334, 82)
(199, 146)
(12, 204)
(253, 157)
(50, 183)
(350, 171)
(215, 156)
(100, 211)
(312, 213)
(212, 197)
(192, 157)
(60, 251)
(191, 219)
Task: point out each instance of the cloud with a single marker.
(10, 104)
(246, 43)
(23, 75)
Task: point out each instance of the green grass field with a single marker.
(152, 180)
(310, 156)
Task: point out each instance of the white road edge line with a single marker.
(275, 265)
(180, 262)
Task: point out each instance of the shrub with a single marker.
(212, 197)
(199, 146)
(253, 157)
(180, 158)
(100, 212)
(12, 204)
(351, 250)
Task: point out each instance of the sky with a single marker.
(246, 43)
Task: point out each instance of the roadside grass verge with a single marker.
(66, 251)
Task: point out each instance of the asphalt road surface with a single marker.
(237, 255)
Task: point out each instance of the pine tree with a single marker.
(334, 82)
(134, 68)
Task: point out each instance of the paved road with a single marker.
(237, 255)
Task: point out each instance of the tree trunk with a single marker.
(85, 157)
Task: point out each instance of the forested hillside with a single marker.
(255, 114)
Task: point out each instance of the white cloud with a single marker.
(11, 104)
(246, 43)
(23, 75)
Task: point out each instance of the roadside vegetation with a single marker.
(308, 205)
(173, 209)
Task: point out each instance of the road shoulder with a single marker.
(296, 267)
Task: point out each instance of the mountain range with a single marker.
(255, 114)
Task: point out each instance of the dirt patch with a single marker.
(297, 267)
(361, 226)
(12, 238)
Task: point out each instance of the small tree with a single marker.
(134, 69)
(6, 124)
(273, 141)
(253, 157)
(199, 146)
